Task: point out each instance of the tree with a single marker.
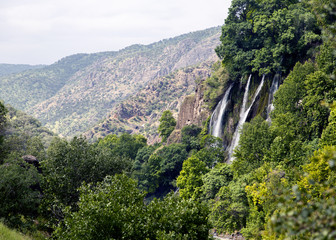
(19, 196)
(158, 173)
(167, 125)
(308, 210)
(264, 37)
(190, 179)
(319, 88)
(115, 209)
(69, 164)
(212, 151)
(329, 133)
(111, 210)
(219, 176)
(126, 145)
(254, 142)
(229, 209)
(3, 121)
(190, 138)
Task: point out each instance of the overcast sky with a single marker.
(43, 31)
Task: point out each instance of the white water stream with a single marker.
(216, 120)
(273, 89)
(243, 115)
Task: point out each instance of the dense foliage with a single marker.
(115, 209)
(281, 182)
(266, 36)
(167, 125)
(280, 185)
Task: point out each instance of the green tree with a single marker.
(229, 209)
(212, 151)
(111, 210)
(126, 145)
(3, 121)
(319, 88)
(167, 125)
(254, 142)
(69, 164)
(115, 209)
(190, 179)
(20, 196)
(260, 36)
(308, 210)
(219, 176)
(290, 124)
(190, 137)
(329, 133)
(158, 172)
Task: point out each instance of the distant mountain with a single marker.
(141, 112)
(76, 92)
(6, 69)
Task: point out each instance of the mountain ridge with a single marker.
(77, 91)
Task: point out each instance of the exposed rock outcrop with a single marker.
(192, 110)
(141, 113)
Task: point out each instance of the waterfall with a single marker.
(273, 89)
(217, 116)
(243, 115)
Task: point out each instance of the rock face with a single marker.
(192, 110)
(141, 112)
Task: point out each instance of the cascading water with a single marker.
(273, 89)
(217, 116)
(243, 115)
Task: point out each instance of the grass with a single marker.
(9, 234)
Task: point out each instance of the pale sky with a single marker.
(43, 31)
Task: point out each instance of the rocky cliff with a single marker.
(141, 112)
(193, 110)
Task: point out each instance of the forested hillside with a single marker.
(261, 167)
(6, 69)
(76, 92)
(280, 180)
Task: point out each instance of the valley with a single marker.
(224, 132)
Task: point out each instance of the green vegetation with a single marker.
(266, 37)
(281, 182)
(8, 234)
(280, 185)
(215, 84)
(167, 125)
(141, 112)
(7, 69)
(115, 209)
(73, 94)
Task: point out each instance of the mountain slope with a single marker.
(25, 89)
(6, 69)
(24, 126)
(70, 96)
(141, 113)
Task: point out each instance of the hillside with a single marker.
(6, 69)
(141, 113)
(23, 126)
(76, 92)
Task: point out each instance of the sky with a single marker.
(44, 31)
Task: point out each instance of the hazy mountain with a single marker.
(6, 69)
(76, 92)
